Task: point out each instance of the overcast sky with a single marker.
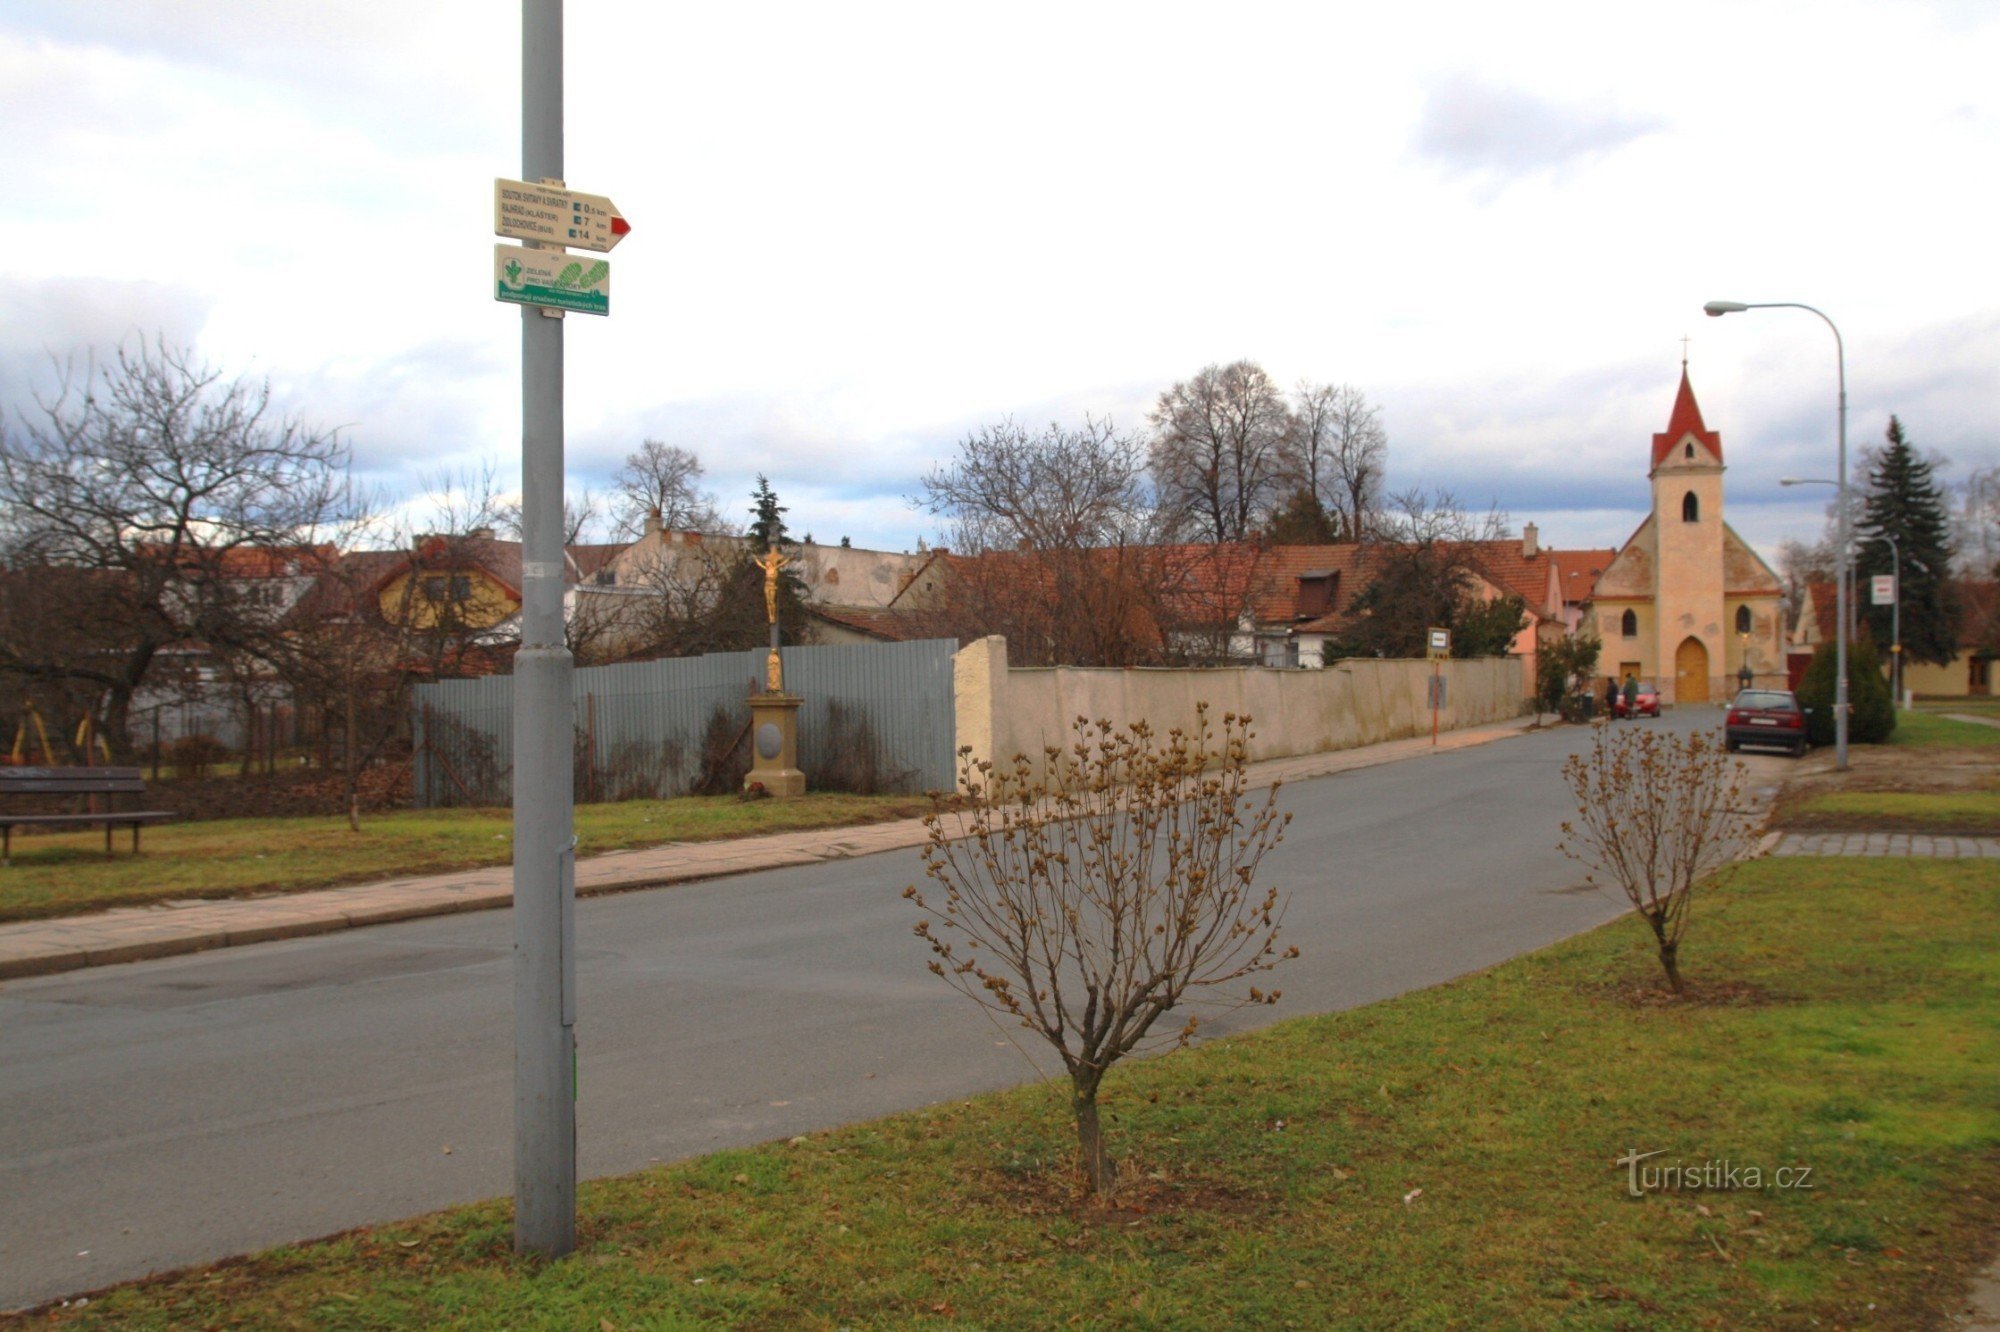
(862, 230)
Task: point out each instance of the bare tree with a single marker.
(1658, 815)
(1220, 448)
(136, 481)
(693, 599)
(1089, 904)
(1800, 566)
(1056, 543)
(1979, 524)
(1425, 573)
(1339, 453)
(583, 515)
(663, 480)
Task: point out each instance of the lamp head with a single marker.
(1717, 309)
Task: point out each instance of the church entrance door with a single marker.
(1691, 672)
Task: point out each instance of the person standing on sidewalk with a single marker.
(1611, 699)
(1632, 697)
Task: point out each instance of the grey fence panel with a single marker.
(876, 717)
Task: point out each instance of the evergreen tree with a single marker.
(767, 523)
(1872, 719)
(1904, 502)
(1302, 521)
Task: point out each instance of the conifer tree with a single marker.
(1904, 502)
(767, 524)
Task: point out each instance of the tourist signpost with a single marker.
(544, 277)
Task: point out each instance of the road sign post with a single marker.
(544, 812)
(1437, 646)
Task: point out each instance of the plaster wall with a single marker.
(1953, 680)
(1003, 712)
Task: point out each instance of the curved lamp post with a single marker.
(1716, 309)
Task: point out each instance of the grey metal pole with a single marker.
(1840, 705)
(1895, 621)
(1842, 557)
(544, 846)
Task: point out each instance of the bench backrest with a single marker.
(71, 781)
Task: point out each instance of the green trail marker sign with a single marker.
(552, 278)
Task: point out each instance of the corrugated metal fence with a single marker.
(876, 717)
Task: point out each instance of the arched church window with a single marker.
(1690, 450)
(1690, 509)
(1629, 626)
(1742, 619)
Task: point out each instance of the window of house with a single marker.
(607, 578)
(1742, 619)
(1690, 450)
(1690, 508)
(447, 587)
(1315, 594)
(1629, 626)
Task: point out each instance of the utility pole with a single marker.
(544, 841)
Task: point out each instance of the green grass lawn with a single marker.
(1447, 1159)
(61, 875)
(1926, 728)
(1971, 812)
(1987, 706)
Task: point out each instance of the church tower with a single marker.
(1687, 520)
(1687, 604)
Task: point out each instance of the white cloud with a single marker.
(860, 231)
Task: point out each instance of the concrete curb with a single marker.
(133, 934)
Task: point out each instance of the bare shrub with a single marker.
(1089, 903)
(196, 756)
(725, 753)
(852, 758)
(1657, 814)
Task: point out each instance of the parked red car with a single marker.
(1766, 717)
(1645, 704)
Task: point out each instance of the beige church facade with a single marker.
(1687, 604)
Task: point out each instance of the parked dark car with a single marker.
(1766, 717)
(1646, 703)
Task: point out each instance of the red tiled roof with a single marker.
(1685, 421)
(890, 626)
(1579, 570)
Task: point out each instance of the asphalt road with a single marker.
(173, 1112)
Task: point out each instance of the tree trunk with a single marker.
(118, 722)
(1097, 1168)
(353, 774)
(1669, 958)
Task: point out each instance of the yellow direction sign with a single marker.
(553, 215)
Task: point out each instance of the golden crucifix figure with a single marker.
(771, 562)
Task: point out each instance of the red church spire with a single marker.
(1685, 421)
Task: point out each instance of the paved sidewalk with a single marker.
(129, 934)
(1884, 844)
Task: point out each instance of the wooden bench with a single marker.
(75, 781)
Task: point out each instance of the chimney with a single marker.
(1530, 541)
(652, 526)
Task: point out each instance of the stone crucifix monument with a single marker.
(774, 714)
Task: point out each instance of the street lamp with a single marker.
(1716, 309)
